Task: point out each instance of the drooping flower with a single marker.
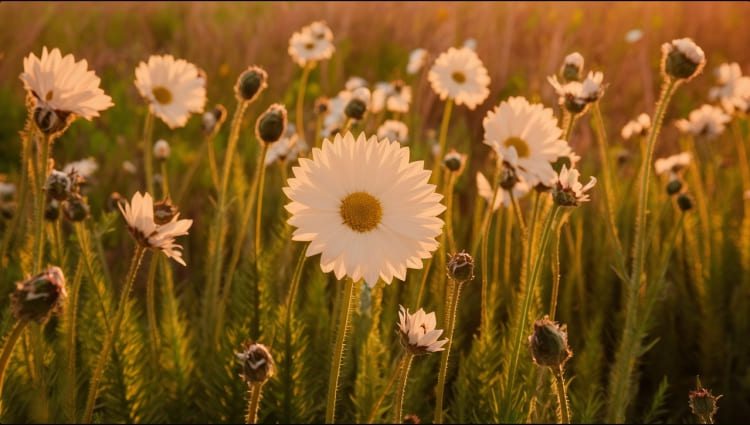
(365, 208)
(418, 333)
(707, 121)
(174, 88)
(568, 191)
(636, 127)
(394, 130)
(417, 59)
(530, 129)
(139, 215)
(459, 75)
(60, 86)
(312, 43)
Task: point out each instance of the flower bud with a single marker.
(508, 177)
(682, 59)
(58, 185)
(461, 267)
(75, 208)
(250, 84)
(38, 297)
(411, 418)
(454, 161)
(357, 105)
(572, 68)
(164, 212)
(257, 363)
(49, 121)
(549, 343)
(685, 202)
(52, 210)
(321, 105)
(161, 150)
(213, 119)
(703, 404)
(674, 186)
(271, 124)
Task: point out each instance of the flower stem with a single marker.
(254, 394)
(294, 286)
(148, 162)
(444, 124)
(301, 100)
(164, 180)
(345, 310)
(394, 375)
(569, 124)
(423, 282)
(555, 270)
(72, 312)
(10, 343)
(627, 352)
(42, 169)
(153, 328)
(259, 202)
(562, 397)
(485, 318)
(398, 416)
(451, 180)
(450, 325)
(109, 340)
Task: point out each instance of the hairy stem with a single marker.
(342, 331)
(254, 394)
(405, 365)
(450, 325)
(10, 343)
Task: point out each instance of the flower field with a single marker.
(374, 213)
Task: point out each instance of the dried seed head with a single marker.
(58, 185)
(271, 124)
(461, 267)
(75, 208)
(549, 343)
(250, 84)
(257, 363)
(702, 403)
(38, 297)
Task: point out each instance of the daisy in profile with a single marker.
(672, 164)
(576, 95)
(394, 130)
(311, 44)
(531, 130)
(174, 88)
(418, 333)
(460, 76)
(365, 208)
(139, 214)
(62, 89)
(707, 121)
(568, 191)
(417, 60)
(636, 127)
(733, 90)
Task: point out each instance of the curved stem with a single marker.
(212, 167)
(450, 325)
(345, 310)
(562, 397)
(10, 343)
(445, 123)
(254, 394)
(295, 280)
(148, 162)
(398, 416)
(301, 100)
(109, 340)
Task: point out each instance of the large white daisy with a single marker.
(64, 85)
(707, 121)
(531, 129)
(365, 208)
(174, 88)
(459, 75)
(139, 214)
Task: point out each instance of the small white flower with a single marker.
(354, 83)
(139, 214)
(400, 98)
(706, 121)
(312, 43)
(633, 35)
(575, 95)
(7, 190)
(85, 167)
(672, 164)
(484, 188)
(733, 90)
(637, 127)
(682, 59)
(459, 75)
(174, 88)
(335, 117)
(568, 191)
(61, 84)
(161, 150)
(320, 30)
(380, 94)
(417, 59)
(394, 131)
(688, 48)
(418, 333)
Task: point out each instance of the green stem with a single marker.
(423, 282)
(569, 124)
(148, 162)
(627, 352)
(212, 167)
(398, 416)
(58, 238)
(301, 100)
(450, 325)
(345, 310)
(164, 180)
(255, 329)
(445, 123)
(449, 211)
(562, 397)
(10, 343)
(555, 271)
(254, 394)
(109, 340)
(318, 129)
(153, 327)
(517, 211)
(294, 286)
(394, 375)
(485, 318)
(72, 312)
(42, 170)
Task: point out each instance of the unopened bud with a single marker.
(685, 202)
(38, 297)
(49, 121)
(161, 150)
(674, 186)
(549, 343)
(703, 404)
(58, 185)
(250, 84)
(272, 124)
(75, 208)
(454, 161)
(257, 363)
(52, 210)
(461, 267)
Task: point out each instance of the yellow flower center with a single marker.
(459, 77)
(49, 96)
(361, 211)
(522, 148)
(162, 95)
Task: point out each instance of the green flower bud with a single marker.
(250, 84)
(38, 297)
(549, 343)
(461, 267)
(271, 125)
(257, 363)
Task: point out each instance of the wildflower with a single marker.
(576, 96)
(417, 59)
(672, 164)
(312, 43)
(257, 362)
(61, 89)
(460, 267)
(173, 88)
(58, 185)
(454, 161)
(161, 150)
(251, 83)
(568, 191)
(213, 119)
(287, 148)
(703, 404)
(572, 67)
(372, 215)
(532, 131)
(636, 127)
(460, 76)
(357, 106)
(40, 296)
(380, 94)
(84, 168)
(484, 188)
(354, 83)
(394, 130)
(272, 123)
(707, 121)
(418, 333)
(139, 214)
(399, 99)
(549, 343)
(682, 59)
(733, 90)
(335, 116)
(633, 35)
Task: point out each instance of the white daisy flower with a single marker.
(417, 59)
(312, 43)
(707, 121)
(335, 117)
(394, 131)
(733, 89)
(568, 191)
(287, 148)
(400, 99)
(459, 75)
(139, 214)
(161, 150)
(672, 164)
(484, 188)
(174, 88)
(418, 333)
(380, 94)
(85, 167)
(63, 85)
(354, 83)
(636, 127)
(365, 208)
(530, 129)
(575, 95)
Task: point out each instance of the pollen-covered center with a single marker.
(522, 148)
(459, 77)
(162, 95)
(361, 211)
